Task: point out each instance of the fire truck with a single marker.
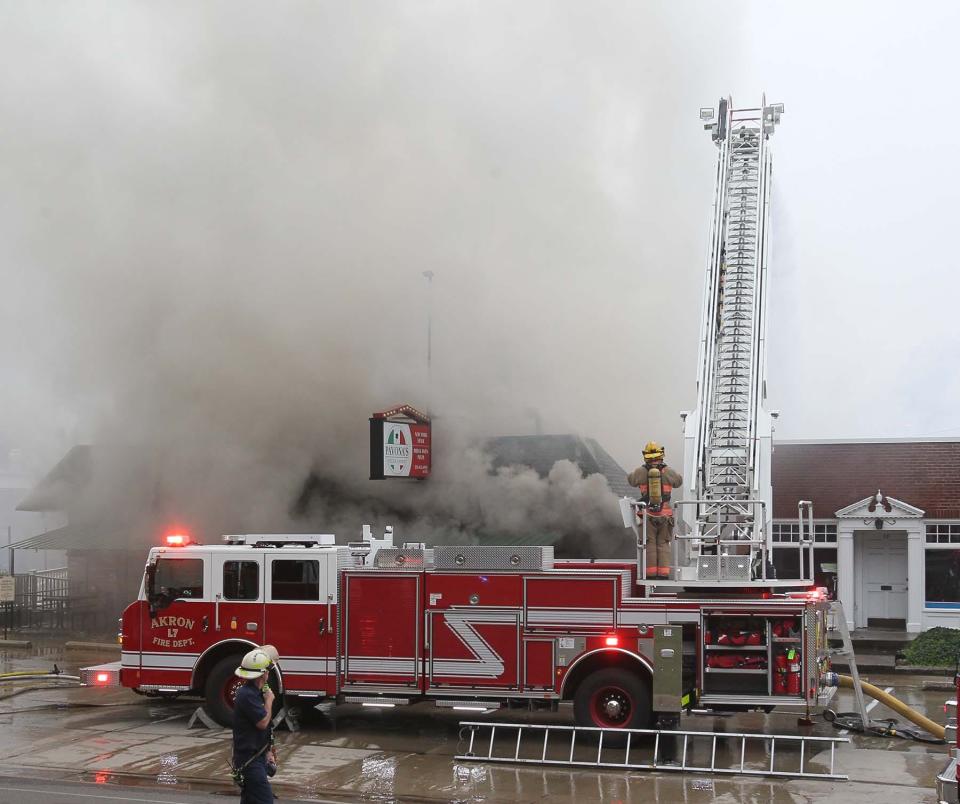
(475, 627)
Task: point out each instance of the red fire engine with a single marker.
(467, 627)
(474, 627)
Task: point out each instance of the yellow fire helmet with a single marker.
(653, 452)
(254, 664)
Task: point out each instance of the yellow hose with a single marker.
(897, 706)
(14, 673)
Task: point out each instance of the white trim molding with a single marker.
(879, 503)
(901, 517)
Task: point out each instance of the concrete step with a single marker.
(866, 663)
(876, 641)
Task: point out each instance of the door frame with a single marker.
(861, 537)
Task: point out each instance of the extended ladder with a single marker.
(652, 749)
(728, 435)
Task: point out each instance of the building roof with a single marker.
(58, 539)
(62, 483)
(834, 474)
(74, 537)
(541, 452)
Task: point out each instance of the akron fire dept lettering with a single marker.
(172, 638)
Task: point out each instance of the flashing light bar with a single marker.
(177, 540)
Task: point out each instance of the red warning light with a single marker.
(103, 678)
(612, 641)
(177, 539)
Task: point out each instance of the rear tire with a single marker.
(614, 699)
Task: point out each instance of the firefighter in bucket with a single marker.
(254, 761)
(656, 481)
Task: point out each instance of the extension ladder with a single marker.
(687, 751)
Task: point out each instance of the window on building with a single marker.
(943, 533)
(241, 580)
(180, 577)
(787, 564)
(295, 579)
(825, 568)
(787, 532)
(942, 578)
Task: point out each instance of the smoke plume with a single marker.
(217, 218)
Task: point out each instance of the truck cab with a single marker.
(201, 607)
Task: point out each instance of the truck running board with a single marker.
(376, 701)
(468, 705)
(652, 749)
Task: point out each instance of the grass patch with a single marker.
(938, 647)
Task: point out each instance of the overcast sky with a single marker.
(214, 217)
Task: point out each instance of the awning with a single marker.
(51, 540)
(80, 537)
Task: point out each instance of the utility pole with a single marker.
(429, 277)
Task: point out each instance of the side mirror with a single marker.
(150, 576)
(159, 601)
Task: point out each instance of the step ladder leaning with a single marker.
(840, 626)
(647, 749)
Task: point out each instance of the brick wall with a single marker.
(925, 474)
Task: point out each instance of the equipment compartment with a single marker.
(752, 656)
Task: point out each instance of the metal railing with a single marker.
(726, 527)
(43, 589)
(42, 600)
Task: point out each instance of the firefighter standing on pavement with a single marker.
(253, 758)
(656, 480)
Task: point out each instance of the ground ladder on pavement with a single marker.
(725, 753)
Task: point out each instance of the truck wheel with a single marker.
(221, 690)
(613, 699)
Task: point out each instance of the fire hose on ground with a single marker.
(886, 727)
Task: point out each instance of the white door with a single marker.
(884, 587)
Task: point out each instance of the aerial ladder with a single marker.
(723, 533)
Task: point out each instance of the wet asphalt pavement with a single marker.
(91, 745)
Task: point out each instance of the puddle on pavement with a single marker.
(168, 770)
(358, 754)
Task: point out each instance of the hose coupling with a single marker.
(830, 680)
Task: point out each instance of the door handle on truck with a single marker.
(329, 624)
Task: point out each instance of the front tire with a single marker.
(614, 699)
(220, 691)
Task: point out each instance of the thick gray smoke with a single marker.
(214, 220)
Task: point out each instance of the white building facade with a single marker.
(892, 556)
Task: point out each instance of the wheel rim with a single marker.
(611, 707)
(230, 688)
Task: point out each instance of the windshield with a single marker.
(179, 578)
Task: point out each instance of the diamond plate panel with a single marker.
(734, 568)
(478, 557)
(708, 568)
(401, 558)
